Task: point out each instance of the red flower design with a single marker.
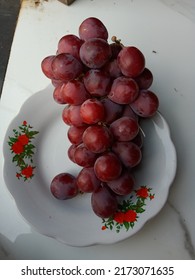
(142, 192)
(130, 216)
(119, 217)
(104, 227)
(27, 171)
(23, 139)
(24, 123)
(151, 197)
(17, 147)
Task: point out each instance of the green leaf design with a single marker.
(127, 225)
(12, 139)
(31, 134)
(140, 210)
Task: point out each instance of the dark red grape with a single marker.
(66, 115)
(145, 79)
(71, 115)
(128, 152)
(84, 157)
(124, 184)
(87, 180)
(74, 92)
(92, 111)
(131, 61)
(97, 138)
(95, 52)
(75, 134)
(124, 90)
(74, 115)
(57, 95)
(46, 66)
(92, 28)
(112, 69)
(146, 104)
(112, 110)
(124, 129)
(64, 186)
(70, 44)
(108, 167)
(66, 67)
(104, 202)
(97, 82)
(71, 151)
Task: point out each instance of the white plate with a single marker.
(73, 221)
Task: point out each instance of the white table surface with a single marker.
(166, 27)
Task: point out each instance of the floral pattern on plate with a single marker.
(129, 210)
(23, 150)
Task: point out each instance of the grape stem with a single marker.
(117, 41)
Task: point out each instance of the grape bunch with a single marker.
(105, 91)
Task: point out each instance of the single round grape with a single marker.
(124, 90)
(97, 138)
(87, 181)
(71, 115)
(107, 167)
(46, 66)
(92, 111)
(92, 28)
(145, 79)
(97, 82)
(57, 95)
(104, 202)
(146, 104)
(66, 115)
(112, 110)
(124, 129)
(66, 67)
(74, 92)
(84, 157)
(112, 69)
(75, 134)
(64, 186)
(124, 184)
(71, 151)
(74, 115)
(131, 61)
(95, 52)
(128, 152)
(70, 44)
